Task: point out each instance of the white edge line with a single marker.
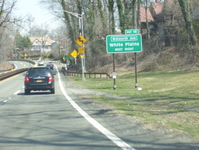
(17, 92)
(120, 143)
(15, 67)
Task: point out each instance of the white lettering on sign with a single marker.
(129, 49)
(124, 39)
(114, 39)
(132, 44)
(118, 49)
(134, 38)
(116, 44)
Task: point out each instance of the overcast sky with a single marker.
(32, 7)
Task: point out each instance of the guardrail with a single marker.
(86, 74)
(26, 60)
(11, 73)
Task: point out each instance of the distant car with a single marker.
(39, 78)
(50, 65)
(40, 63)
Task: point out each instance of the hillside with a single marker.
(170, 59)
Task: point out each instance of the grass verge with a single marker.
(169, 99)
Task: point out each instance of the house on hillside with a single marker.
(155, 17)
(168, 19)
(144, 19)
(156, 10)
(42, 44)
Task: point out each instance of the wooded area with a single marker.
(169, 28)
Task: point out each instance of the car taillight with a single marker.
(50, 79)
(27, 79)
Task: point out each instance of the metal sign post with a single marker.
(114, 73)
(131, 42)
(80, 41)
(136, 82)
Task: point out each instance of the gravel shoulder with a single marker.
(129, 128)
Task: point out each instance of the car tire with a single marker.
(27, 92)
(52, 91)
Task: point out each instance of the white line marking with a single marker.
(120, 143)
(9, 98)
(17, 92)
(15, 67)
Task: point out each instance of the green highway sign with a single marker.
(66, 57)
(132, 31)
(124, 43)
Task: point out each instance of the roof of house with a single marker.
(46, 40)
(143, 15)
(157, 7)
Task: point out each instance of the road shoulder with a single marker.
(129, 128)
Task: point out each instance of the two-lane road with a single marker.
(67, 121)
(44, 121)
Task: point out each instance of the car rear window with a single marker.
(39, 72)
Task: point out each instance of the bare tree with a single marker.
(121, 15)
(100, 19)
(187, 18)
(134, 16)
(6, 9)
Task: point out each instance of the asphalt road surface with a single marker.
(65, 120)
(21, 64)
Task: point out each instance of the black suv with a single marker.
(39, 78)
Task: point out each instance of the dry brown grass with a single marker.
(5, 66)
(171, 59)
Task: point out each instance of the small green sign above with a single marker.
(124, 43)
(132, 31)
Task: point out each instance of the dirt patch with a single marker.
(6, 66)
